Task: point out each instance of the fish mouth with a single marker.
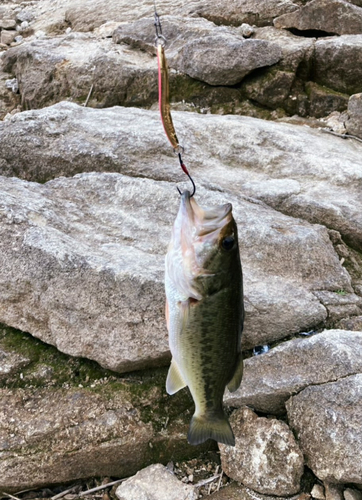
(205, 220)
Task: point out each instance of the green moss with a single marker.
(46, 366)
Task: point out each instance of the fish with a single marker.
(204, 314)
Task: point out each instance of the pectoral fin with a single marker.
(174, 381)
(234, 383)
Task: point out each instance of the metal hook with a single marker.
(183, 166)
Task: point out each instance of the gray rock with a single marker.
(354, 323)
(90, 433)
(326, 420)
(229, 61)
(155, 482)
(9, 98)
(270, 379)
(102, 266)
(272, 88)
(25, 15)
(10, 361)
(266, 457)
(338, 63)
(67, 66)
(354, 122)
(333, 491)
(259, 13)
(7, 37)
(7, 24)
(297, 170)
(318, 492)
(332, 16)
(323, 101)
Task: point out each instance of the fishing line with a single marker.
(164, 97)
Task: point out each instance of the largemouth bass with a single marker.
(204, 314)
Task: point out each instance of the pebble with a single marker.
(12, 85)
(318, 492)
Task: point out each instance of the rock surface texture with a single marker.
(326, 420)
(156, 481)
(266, 457)
(264, 94)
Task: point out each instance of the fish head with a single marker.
(203, 251)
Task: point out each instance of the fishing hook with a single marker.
(184, 168)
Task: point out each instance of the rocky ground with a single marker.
(267, 100)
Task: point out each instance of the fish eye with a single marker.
(228, 242)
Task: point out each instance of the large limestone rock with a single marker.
(331, 16)
(299, 171)
(155, 482)
(327, 420)
(266, 457)
(66, 67)
(259, 13)
(271, 378)
(338, 63)
(72, 433)
(229, 61)
(82, 266)
(354, 122)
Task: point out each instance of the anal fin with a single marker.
(234, 383)
(174, 381)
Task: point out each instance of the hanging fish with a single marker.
(204, 314)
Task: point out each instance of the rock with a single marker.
(338, 63)
(103, 424)
(67, 66)
(10, 361)
(9, 98)
(297, 51)
(259, 13)
(340, 304)
(326, 419)
(7, 24)
(288, 167)
(323, 101)
(353, 324)
(335, 121)
(230, 60)
(335, 17)
(7, 37)
(354, 122)
(266, 457)
(188, 43)
(88, 434)
(333, 491)
(270, 379)
(235, 491)
(25, 15)
(318, 492)
(98, 277)
(156, 481)
(351, 494)
(272, 88)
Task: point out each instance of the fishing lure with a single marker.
(164, 98)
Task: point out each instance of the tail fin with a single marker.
(215, 427)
